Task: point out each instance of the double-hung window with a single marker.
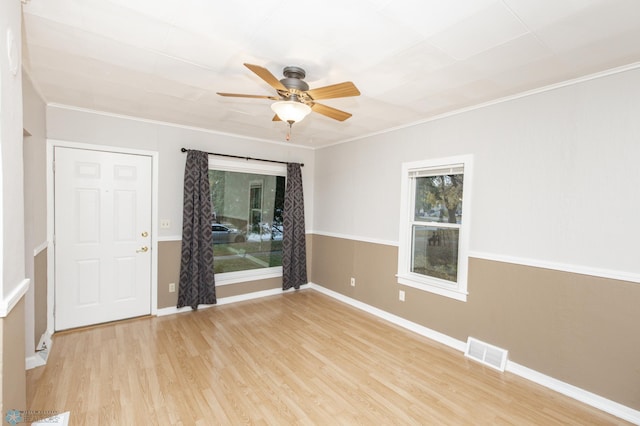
(247, 204)
(434, 222)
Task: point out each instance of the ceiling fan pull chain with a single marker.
(289, 130)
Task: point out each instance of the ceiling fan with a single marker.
(295, 99)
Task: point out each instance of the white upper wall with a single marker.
(35, 170)
(11, 191)
(101, 129)
(555, 176)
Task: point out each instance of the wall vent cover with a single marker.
(487, 354)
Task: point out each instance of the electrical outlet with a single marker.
(172, 287)
(353, 282)
(401, 295)
(165, 224)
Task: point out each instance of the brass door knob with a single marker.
(143, 249)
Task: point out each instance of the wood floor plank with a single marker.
(297, 358)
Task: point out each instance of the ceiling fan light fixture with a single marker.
(291, 111)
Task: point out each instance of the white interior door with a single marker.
(102, 236)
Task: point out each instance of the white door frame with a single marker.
(51, 144)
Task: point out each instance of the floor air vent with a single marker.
(487, 354)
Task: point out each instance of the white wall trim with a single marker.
(170, 238)
(176, 125)
(34, 361)
(11, 300)
(40, 248)
(52, 143)
(43, 350)
(355, 238)
(227, 300)
(536, 91)
(571, 391)
(50, 233)
(576, 393)
(563, 267)
(536, 263)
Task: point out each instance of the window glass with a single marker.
(435, 252)
(439, 198)
(247, 220)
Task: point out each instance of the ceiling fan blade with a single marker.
(266, 75)
(238, 95)
(330, 112)
(340, 90)
(276, 118)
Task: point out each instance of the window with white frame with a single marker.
(247, 226)
(434, 222)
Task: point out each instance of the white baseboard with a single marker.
(596, 401)
(576, 393)
(43, 349)
(34, 361)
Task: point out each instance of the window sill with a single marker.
(227, 278)
(440, 290)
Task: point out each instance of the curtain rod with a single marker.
(243, 158)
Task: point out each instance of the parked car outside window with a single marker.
(226, 233)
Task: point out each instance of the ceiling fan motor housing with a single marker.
(293, 78)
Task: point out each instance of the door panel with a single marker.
(102, 236)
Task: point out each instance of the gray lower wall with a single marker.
(40, 295)
(12, 360)
(579, 329)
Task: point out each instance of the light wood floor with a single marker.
(297, 358)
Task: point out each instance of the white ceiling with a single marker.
(411, 59)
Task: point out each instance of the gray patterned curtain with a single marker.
(197, 284)
(294, 248)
